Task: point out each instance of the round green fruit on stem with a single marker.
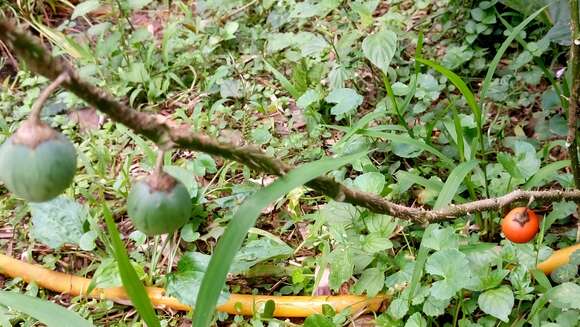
(37, 163)
(158, 204)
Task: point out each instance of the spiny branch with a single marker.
(169, 134)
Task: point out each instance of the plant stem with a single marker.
(39, 103)
(572, 139)
(159, 162)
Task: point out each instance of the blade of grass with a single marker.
(460, 84)
(391, 96)
(544, 173)
(458, 133)
(53, 315)
(493, 65)
(407, 140)
(453, 182)
(415, 77)
(283, 80)
(131, 282)
(420, 262)
(244, 218)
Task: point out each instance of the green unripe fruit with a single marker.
(37, 163)
(158, 204)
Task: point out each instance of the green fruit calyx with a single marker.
(37, 163)
(158, 204)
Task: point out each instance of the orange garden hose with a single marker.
(286, 306)
(558, 259)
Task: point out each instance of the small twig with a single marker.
(166, 133)
(39, 103)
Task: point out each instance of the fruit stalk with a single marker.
(39, 103)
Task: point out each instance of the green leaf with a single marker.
(46, 312)
(84, 8)
(339, 212)
(497, 302)
(565, 296)
(453, 266)
(526, 158)
(380, 48)
(420, 262)
(341, 266)
(244, 218)
(453, 182)
(370, 182)
(346, 101)
(318, 320)
(374, 243)
(441, 239)
(257, 251)
(58, 221)
(434, 307)
(416, 320)
(371, 281)
(108, 275)
(131, 282)
(398, 308)
(309, 97)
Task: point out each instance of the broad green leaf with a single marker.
(244, 218)
(380, 48)
(335, 212)
(441, 239)
(453, 266)
(341, 266)
(453, 182)
(402, 276)
(318, 320)
(545, 173)
(58, 221)
(398, 308)
(370, 282)
(565, 296)
(309, 97)
(497, 302)
(526, 158)
(257, 251)
(346, 101)
(131, 282)
(560, 210)
(380, 224)
(416, 320)
(84, 8)
(374, 243)
(46, 312)
(107, 274)
(370, 182)
(434, 307)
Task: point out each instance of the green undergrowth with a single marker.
(443, 101)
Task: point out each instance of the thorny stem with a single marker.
(39, 103)
(572, 139)
(166, 133)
